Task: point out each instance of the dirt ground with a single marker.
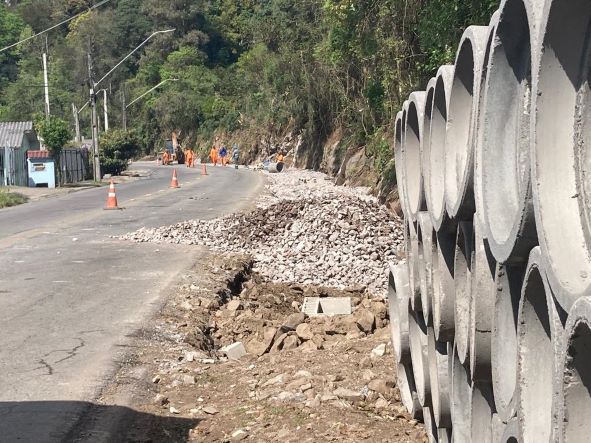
(303, 379)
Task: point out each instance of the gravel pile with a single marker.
(305, 230)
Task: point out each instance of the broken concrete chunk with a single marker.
(349, 394)
(379, 350)
(317, 306)
(235, 351)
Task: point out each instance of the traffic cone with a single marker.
(203, 169)
(112, 198)
(174, 183)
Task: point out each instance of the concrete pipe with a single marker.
(508, 281)
(427, 249)
(574, 401)
(398, 307)
(498, 427)
(411, 148)
(481, 309)
(413, 259)
(461, 399)
(483, 408)
(430, 427)
(463, 259)
(419, 355)
(426, 141)
(492, 25)
(439, 379)
(560, 155)
(275, 167)
(506, 188)
(540, 332)
(460, 136)
(408, 393)
(435, 167)
(443, 286)
(511, 432)
(398, 161)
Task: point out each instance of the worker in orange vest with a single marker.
(279, 157)
(165, 158)
(213, 154)
(189, 158)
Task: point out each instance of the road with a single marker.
(71, 296)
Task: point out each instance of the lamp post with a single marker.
(93, 93)
(142, 96)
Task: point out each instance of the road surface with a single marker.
(70, 295)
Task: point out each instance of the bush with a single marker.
(11, 199)
(117, 147)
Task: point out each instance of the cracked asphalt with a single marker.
(71, 297)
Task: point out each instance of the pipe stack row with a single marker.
(491, 311)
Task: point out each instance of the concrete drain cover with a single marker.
(315, 306)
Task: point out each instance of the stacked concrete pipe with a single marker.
(540, 333)
(398, 302)
(559, 157)
(459, 141)
(506, 191)
(493, 168)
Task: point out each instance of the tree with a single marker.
(55, 133)
(117, 148)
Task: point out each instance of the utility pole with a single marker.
(76, 122)
(105, 110)
(94, 123)
(123, 108)
(45, 82)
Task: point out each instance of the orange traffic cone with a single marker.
(174, 183)
(203, 169)
(112, 198)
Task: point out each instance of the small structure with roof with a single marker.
(16, 138)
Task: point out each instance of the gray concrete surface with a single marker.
(408, 393)
(398, 302)
(439, 379)
(427, 249)
(70, 295)
(459, 140)
(419, 355)
(411, 148)
(463, 259)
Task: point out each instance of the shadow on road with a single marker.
(66, 421)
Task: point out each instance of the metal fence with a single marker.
(74, 165)
(13, 167)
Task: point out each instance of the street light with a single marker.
(93, 86)
(142, 96)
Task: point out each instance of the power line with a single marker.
(55, 26)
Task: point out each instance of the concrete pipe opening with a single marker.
(426, 237)
(426, 141)
(483, 407)
(575, 375)
(461, 407)
(481, 309)
(411, 147)
(540, 337)
(419, 356)
(439, 380)
(508, 281)
(443, 286)
(408, 394)
(492, 26)
(398, 160)
(560, 154)
(464, 251)
(463, 105)
(436, 168)
(506, 188)
(413, 259)
(398, 307)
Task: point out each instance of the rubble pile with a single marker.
(305, 230)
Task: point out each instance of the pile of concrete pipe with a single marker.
(491, 311)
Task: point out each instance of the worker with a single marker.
(279, 157)
(223, 154)
(235, 155)
(165, 158)
(213, 154)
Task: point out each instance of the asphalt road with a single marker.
(71, 296)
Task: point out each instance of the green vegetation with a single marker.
(117, 148)
(242, 65)
(8, 199)
(56, 133)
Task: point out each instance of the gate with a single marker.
(74, 165)
(13, 167)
